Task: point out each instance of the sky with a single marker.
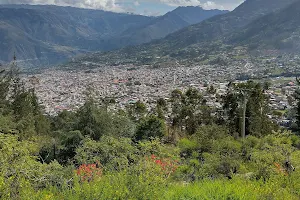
(143, 7)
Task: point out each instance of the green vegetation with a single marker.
(181, 149)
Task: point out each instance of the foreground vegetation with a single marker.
(181, 149)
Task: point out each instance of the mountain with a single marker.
(276, 31)
(162, 26)
(217, 26)
(53, 33)
(194, 40)
(47, 34)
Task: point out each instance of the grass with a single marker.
(237, 189)
(117, 187)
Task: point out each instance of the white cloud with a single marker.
(111, 5)
(212, 5)
(206, 4)
(181, 2)
(122, 5)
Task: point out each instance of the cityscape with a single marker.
(60, 90)
(150, 100)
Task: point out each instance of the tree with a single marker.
(246, 108)
(95, 121)
(149, 128)
(297, 97)
(192, 109)
(28, 114)
(19, 167)
(65, 121)
(161, 108)
(189, 110)
(5, 80)
(89, 120)
(68, 145)
(211, 90)
(266, 85)
(137, 111)
(24, 105)
(113, 153)
(176, 101)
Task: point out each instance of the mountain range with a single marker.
(42, 35)
(255, 25)
(162, 26)
(278, 30)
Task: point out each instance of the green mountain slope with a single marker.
(162, 26)
(277, 31)
(44, 32)
(51, 34)
(207, 36)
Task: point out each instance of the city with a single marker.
(150, 99)
(67, 90)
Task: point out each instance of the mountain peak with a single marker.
(53, 33)
(197, 39)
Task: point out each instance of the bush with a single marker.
(150, 128)
(112, 153)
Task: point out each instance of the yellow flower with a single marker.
(48, 197)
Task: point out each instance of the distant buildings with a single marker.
(67, 90)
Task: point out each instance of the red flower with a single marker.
(88, 171)
(167, 165)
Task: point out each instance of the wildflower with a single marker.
(88, 171)
(167, 165)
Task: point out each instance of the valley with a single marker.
(196, 103)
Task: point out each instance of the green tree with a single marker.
(161, 108)
(92, 122)
(189, 110)
(112, 153)
(20, 168)
(65, 120)
(150, 128)
(68, 145)
(211, 90)
(246, 109)
(137, 111)
(176, 104)
(297, 97)
(95, 121)
(5, 81)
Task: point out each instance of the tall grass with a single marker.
(128, 186)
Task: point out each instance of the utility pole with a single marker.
(244, 95)
(174, 81)
(243, 128)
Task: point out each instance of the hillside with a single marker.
(181, 148)
(195, 40)
(162, 26)
(217, 26)
(48, 33)
(278, 31)
(51, 34)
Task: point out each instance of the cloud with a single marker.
(151, 12)
(111, 5)
(212, 5)
(127, 5)
(206, 4)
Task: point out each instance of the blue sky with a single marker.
(144, 7)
